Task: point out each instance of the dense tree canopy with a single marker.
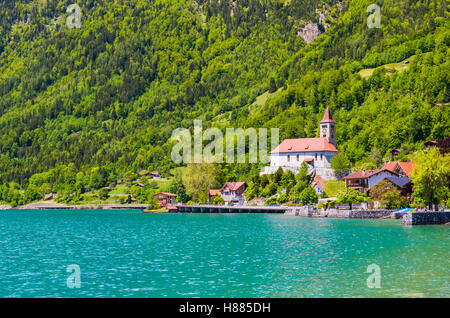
(431, 178)
(87, 107)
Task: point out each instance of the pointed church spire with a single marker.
(328, 127)
(327, 118)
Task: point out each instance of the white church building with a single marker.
(316, 152)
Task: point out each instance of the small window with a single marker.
(321, 156)
(289, 158)
(298, 157)
(316, 156)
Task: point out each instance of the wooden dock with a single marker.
(125, 206)
(230, 209)
(48, 207)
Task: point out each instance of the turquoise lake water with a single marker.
(129, 254)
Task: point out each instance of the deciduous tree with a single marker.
(431, 177)
(351, 196)
(199, 178)
(340, 165)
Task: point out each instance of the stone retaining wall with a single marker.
(425, 218)
(345, 214)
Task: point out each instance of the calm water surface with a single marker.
(129, 254)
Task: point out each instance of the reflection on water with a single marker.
(129, 254)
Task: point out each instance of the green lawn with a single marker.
(399, 67)
(262, 99)
(163, 185)
(119, 189)
(334, 187)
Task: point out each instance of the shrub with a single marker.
(309, 196)
(269, 190)
(271, 201)
(152, 203)
(283, 198)
(217, 200)
(103, 194)
(351, 196)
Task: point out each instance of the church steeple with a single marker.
(328, 127)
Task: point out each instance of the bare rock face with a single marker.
(310, 32)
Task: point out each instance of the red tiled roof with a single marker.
(327, 118)
(406, 166)
(363, 174)
(320, 182)
(166, 193)
(214, 192)
(390, 165)
(304, 145)
(233, 186)
(309, 159)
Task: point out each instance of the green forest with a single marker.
(86, 108)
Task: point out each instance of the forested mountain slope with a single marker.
(86, 105)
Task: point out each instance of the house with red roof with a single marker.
(316, 152)
(233, 192)
(366, 179)
(165, 198)
(398, 173)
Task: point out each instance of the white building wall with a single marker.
(322, 165)
(281, 159)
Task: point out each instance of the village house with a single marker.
(398, 173)
(319, 184)
(165, 198)
(213, 192)
(153, 175)
(430, 144)
(316, 152)
(233, 192)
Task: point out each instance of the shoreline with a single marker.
(408, 218)
(43, 205)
